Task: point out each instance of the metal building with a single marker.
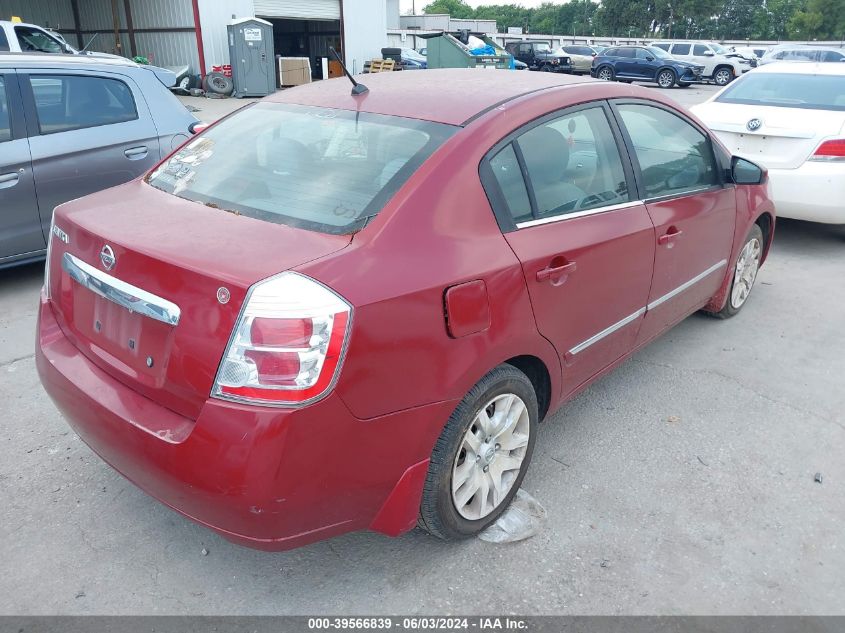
(193, 32)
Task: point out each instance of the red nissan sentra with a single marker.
(334, 312)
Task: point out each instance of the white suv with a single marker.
(721, 66)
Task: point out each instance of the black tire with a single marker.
(608, 73)
(723, 75)
(218, 83)
(684, 84)
(731, 309)
(666, 78)
(438, 514)
(546, 68)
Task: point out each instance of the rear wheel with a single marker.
(666, 78)
(745, 273)
(723, 76)
(481, 456)
(546, 68)
(605, 73)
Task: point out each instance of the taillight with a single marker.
(288, 344)
(833, 150)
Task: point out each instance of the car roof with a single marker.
(801, 68)
(452, 96)
(58, 60)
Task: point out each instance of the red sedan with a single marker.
(333, 312)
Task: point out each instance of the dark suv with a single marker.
(540, 56)
(644, 63)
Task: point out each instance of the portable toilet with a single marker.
(251, 55)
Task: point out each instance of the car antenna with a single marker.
(357, 89)
(85, 48)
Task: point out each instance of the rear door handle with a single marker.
(136, 153)
(8, 180)
(555, 270)
(670, 235)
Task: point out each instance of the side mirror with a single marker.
(709, 53)
(197, 126)
(649, 58)
(744, 172)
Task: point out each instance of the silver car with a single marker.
(70, 126)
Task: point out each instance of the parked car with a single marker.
(412, 60)
(803, 54)
(644, 63)
(749, 52)
(17, 37)
(319, 343)
(790, 118)
(518, 65)
(72, 125)
(540, 56)
(581, 57)
(721, 66)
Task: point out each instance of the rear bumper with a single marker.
(815, 192)
(266, 478)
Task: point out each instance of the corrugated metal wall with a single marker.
(302, 9)
(56, 14)
(164, 29)
(214, 16)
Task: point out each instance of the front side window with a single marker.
(5, 125)
(832, 56)
(662, 46)
(674, 156)
(681, 49)
(316, 168)
(36, 41)
(542, 47)
(699, 50)
(573, 164)
(73, 102)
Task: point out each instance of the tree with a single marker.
(822, 20)
(455, 8)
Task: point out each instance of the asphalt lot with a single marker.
(681, 483)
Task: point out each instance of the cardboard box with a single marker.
(294, 71)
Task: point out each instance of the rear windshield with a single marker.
(788, 90)
(315, 168)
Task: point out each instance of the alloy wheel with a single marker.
(490, 456)
(605, 74)
(723, 77)
(665, 79)
(746, 272)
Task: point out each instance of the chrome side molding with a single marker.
(123, 294)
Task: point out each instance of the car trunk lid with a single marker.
(785, 138)
(158, 319)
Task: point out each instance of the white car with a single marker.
(789, 118)
(721, 66)
(17, 37)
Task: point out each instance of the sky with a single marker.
(405, 5)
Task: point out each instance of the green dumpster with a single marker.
(447, 51)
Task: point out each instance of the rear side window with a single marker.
(508, 175)
(681, 49)
(626, 52)
(315, 168)
(788, 90)
(5, 128)
(4, 43)
(573, 165)
(674, 157)
(73, 102)
(699, 50)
